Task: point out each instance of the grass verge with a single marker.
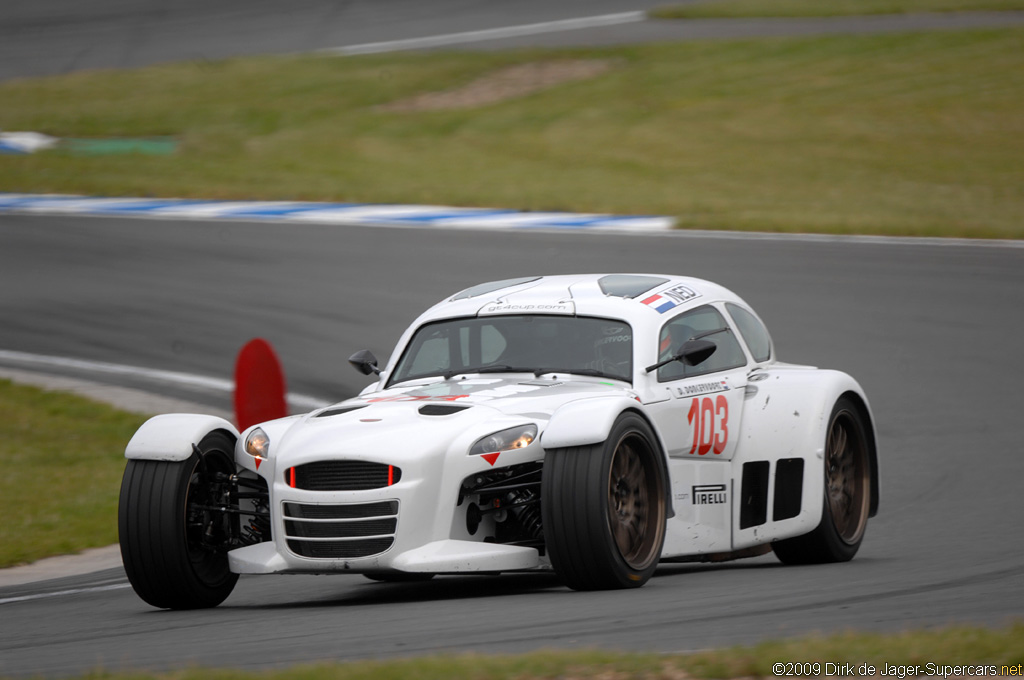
(736, 9)
(945, 648)
(62, 457)
(912, 134)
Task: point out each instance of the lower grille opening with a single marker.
(340, 549)
(340, 531)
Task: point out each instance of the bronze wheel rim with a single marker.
(634, 503)
(846, 481)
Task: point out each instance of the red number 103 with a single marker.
(710, 423)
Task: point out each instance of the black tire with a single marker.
(175, 554)
(847, 502)
(604, 508)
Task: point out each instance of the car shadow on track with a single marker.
(359, 591)
(355, 590)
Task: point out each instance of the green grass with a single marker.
(951, 646)
(734, 9)
(914, 134)
(62, 458)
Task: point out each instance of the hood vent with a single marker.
(440, 409)
(337, 411)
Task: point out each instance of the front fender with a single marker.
(584, 421)
(590, 421)
(170, 437)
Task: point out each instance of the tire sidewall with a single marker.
(631, 424)
(840, 548)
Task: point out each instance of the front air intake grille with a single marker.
(360, 511)
(340, 531)
(342, 475)
(376, 527)
(335, 550)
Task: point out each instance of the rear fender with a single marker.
(170, 437)
(786, 416)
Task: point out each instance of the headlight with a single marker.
(257, 444)
(506, 440)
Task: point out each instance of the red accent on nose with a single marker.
(291, 477)
(391, 475)
(491, 458)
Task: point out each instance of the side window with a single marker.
(753, 331)
(684, 327)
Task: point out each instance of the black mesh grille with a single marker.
(302, 511)
(342, 475)
(340, 549)
(365, 529)
(373, 527)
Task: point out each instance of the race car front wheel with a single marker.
(844, 515)
(604, 508)
(174, 535)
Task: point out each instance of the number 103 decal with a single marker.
(710, 422)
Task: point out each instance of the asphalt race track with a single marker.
(48, 37)
(931, 331)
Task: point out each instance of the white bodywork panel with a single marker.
(711, 428)
(170, 436)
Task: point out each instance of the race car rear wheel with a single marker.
(604, 508)
(844, 515)
(174, 540)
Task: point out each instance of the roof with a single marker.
(636, 298)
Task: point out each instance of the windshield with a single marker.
(523, 343)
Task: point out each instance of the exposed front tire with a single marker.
(844, 515)
(604, 508)
(174, 542)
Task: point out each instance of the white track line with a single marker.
(487, 34)
(62, 593)
(166, 377)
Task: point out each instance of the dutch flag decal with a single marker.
(659, 303)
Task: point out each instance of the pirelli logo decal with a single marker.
(710, 494)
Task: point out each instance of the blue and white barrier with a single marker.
(357, 214)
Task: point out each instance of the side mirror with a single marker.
(364, 362)
(696, 352)
(692, 352)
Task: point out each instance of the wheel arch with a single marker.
(170, 437)
(589, 421)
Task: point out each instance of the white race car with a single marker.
(593, 424)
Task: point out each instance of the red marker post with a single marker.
(259, 385)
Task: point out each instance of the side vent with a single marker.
(754, 494)
(440, 409)
(789, 488)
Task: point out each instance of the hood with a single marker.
(407, 422)
(512, 396)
